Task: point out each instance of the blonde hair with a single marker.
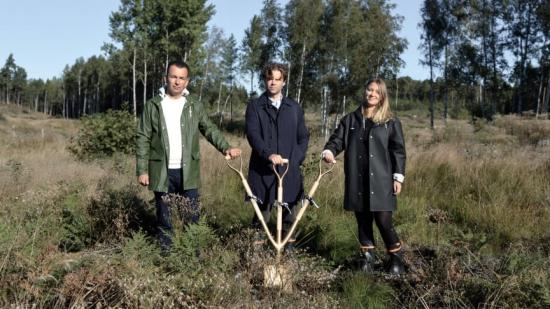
(382, 112)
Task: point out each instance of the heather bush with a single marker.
(114, 213)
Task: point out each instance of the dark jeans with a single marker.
(288, 217)
(383, 220)
(175, 186)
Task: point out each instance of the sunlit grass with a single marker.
(473, 216)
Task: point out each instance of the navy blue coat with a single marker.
(269, 132)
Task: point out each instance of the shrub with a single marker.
(102, 135)
(117, 212)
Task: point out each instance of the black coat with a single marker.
(386, 156)
(271, 132)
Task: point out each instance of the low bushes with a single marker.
(102, 135)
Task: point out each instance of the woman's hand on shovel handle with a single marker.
(328, 156)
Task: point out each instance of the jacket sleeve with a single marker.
(253, 132)
(396, 148)
(337, 141)
(211, 132)
(143, 141)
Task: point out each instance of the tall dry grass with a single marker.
(473, 216)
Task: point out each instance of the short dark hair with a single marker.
(267, 72)
(178, 63)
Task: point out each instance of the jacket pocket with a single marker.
(155, 155)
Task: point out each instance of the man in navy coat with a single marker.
(276, 130)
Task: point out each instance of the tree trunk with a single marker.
(45, 110)
(205, 76)
(446, 99)
(231, 108)
(324, 113)
(85, 102)
(219, 97)
(225, 104)
(251, 81)
(144, 77)
(73, 112)
(97, 102)
(431, 83)
(524, 54)
(396, 91)
(494, 86)
(134, 99)
(64, 110)
(288, 80)
(540, 94)
(301, 77)
(344, 106)
(545, 107)
(484, 51)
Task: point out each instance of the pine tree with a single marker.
(251, 50)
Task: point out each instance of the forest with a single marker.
(485, 56)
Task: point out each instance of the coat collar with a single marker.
(162, 93)
(265, 102)
(358, 114)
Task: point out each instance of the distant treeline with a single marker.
(490, 56)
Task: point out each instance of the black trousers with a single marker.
(164, 223)
(384, 223)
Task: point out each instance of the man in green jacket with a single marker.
(167, 156)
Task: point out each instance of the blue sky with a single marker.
(44, 36)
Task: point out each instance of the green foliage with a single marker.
(361, 291)
(102, 135)
(76, 226)
(187, 246)
(140, 248)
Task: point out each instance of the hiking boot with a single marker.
(368, 261)
(395, 265)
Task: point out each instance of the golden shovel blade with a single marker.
(277, 276)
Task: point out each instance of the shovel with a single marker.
(276, 275)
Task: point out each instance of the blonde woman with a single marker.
(374, 166)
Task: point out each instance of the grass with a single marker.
(473, 217)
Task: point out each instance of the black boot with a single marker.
(395, 264)
(368, 261)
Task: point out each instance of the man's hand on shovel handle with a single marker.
(276, 159)
(232, 153)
